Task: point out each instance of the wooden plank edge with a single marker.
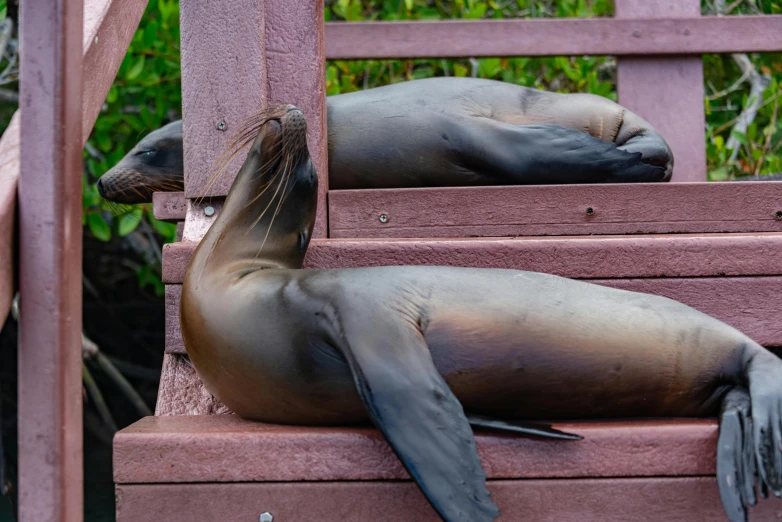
(562, 37)
(225, 448)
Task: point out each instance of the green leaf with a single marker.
(167, 230)
(719, 174)
(150, 34)
(476, 11)
(129, 222)
(740, 137)
(98, 226)
(409, 5)
(135, 69)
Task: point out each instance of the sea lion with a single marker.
(441, 132)
(424, 352)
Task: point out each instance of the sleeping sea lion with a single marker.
(424, 352)
(445, 132)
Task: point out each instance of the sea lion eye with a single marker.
(302, 241)
(146, 153)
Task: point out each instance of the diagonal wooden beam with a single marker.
(109, 26)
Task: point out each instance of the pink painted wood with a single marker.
(108, 27)
(668, 91)
(259, 53)
(557, 210)
(226, 448)
(750, 304)
(557, 37)
(223, 83)
(181, 392)
(169, 206)
(50, 420)
(295, 54)
(581, 257)
(563, 500)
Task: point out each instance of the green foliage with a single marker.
(145, 96)
(562, 74)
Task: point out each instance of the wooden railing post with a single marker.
(237, 58)
(667, 91)
(50, 359)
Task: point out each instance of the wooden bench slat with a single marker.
(564, 500)
(553, 37)
(169, 206)
(557, 210)
(226, 448)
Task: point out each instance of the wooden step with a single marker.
(221, 467)
(541, 210)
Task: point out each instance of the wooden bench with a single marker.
(713, 246)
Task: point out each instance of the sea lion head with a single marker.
(270, 210)
(153, 165)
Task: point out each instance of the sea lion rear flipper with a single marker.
(537, 429)
(549, 153)
(422, 420)
(736, 470)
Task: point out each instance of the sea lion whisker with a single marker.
(245, 135)
(266, 185)
(271, 201)
(276, 212)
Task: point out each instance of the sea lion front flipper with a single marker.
(547, 153)
(423, 421)
(537, 429)
(736, 471)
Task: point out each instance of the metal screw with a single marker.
(687, 32)
(221, 125)
(209, 211)
(590, 211)
(637, 34)
(779, 215)
(266, 517)
(383, 218)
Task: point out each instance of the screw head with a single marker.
(266, 517)
(590, 211)
(383, 218)
(221, 125)
(687, 32)
(637, 34)
(778, 215)
(209, 211)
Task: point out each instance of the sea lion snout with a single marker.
(155, 164)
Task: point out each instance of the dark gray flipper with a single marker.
(537, 429)
(736, 471)
(765, 389)
(548, 154)
(424, 423)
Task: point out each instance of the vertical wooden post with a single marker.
(296, 64)
(237, 58)
(50, 360)
(667, 91)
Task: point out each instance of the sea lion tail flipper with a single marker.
(550, 153)
(736, 470)
(764, 373)
(537, 429)
(422, 420)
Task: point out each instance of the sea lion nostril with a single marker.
(101, 188)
